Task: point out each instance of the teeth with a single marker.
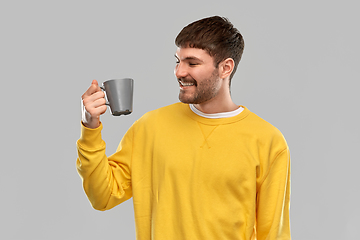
(186, 84)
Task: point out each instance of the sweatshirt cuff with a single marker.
(91, 138)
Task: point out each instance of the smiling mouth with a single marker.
(186, 84)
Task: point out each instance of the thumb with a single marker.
(95, 82)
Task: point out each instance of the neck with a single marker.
(215, 105)
(220, 103)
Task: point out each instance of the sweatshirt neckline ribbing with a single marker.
(218, 121)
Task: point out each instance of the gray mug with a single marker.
(119, 94)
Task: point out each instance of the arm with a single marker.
(106, 181)
(273, 201)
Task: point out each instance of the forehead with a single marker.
(191, 53)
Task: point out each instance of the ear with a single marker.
(226, 67)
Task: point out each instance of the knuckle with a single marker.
(87, 108)
(85, 101)
(100, 94)
(103, 109)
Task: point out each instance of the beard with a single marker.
(203, 92)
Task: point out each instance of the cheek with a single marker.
(197, 74)
(205, 76)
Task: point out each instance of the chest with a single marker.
(211, 156)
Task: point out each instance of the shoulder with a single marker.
(265, 130)
(163, 112)
(162, 115)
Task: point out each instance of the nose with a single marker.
(180, 71)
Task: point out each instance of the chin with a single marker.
(186, 100)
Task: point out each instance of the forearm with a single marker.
(106, 182)
(92, 166)
(273, 201)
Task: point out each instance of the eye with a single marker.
(193, 64)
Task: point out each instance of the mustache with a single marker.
(187, 80)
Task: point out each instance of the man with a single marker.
(203, 168)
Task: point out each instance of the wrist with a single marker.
(91, 124)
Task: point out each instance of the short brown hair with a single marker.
(217, 36)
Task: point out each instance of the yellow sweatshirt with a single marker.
(193, 178)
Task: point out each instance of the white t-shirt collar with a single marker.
(216, 115)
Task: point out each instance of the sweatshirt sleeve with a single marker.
(106, 181)
(273, 201)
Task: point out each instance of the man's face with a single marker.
(197, 76)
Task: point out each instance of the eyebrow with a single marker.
(190, 58)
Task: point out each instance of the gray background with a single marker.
(299, 72)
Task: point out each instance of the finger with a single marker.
(94, 87)
(96, 111)
(94, 82)
(91, 104)
(88, 100)
(98, 103)
(102, 109)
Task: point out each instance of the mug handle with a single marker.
(103, 89)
